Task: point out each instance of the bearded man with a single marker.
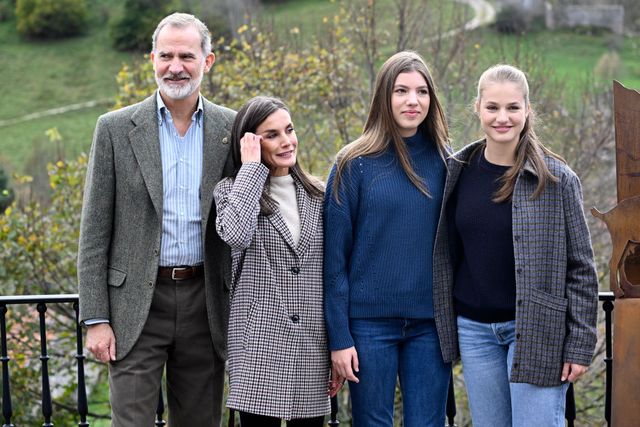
(153, 274)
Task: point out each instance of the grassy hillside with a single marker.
(50, 74)
(574, 56)
(58, 73)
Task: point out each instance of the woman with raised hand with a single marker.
(525, 288)
(382, 205)
(270, 212)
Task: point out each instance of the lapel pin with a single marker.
(225, 140)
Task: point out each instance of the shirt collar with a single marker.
(162, 108)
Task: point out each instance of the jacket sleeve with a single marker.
(338, 244)
(582, 280)
(238, 204)
(96, 225)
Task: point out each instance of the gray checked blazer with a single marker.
(278, 352)
(121, 224)
(556, 280)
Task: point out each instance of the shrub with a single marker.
(6, 193)
(511, 20)
(6, 9)
(38, 252)
(51, 18)
(132, 29)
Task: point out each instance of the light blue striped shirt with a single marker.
(181, 175)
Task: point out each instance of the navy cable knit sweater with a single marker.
(379, 239)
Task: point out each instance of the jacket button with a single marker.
(516, 238)
(515, 365)
(150, 284)
(519, 270)
(295, 318)
(295, 270)
(517, 336)
(519, 302)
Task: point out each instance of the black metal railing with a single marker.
(82, 407)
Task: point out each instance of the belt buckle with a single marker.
(173, 272)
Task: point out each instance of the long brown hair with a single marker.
(529, 148)
(381, 130)
(249, 117)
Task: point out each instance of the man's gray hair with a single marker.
(182, 20)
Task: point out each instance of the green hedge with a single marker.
(51, 18)
(133, 28)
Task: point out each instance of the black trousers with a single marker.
(253, 420)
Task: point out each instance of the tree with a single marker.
(38, 252)
(133, 28)
(51, 18)
(6, 192)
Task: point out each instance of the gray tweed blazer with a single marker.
(121, 224)
(278, 352)
(556, 280)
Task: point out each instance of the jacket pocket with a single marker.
(545, 327)
(548, 300)
(252, 319)
(115, 277)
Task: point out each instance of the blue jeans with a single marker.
(404, 348)
(487, 353)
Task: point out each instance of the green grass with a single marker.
(19, 140)
(50, 74)
(573, 56)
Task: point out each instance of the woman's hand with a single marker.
(572, 371)
(250, 148)
(345, 363)
(335, 383)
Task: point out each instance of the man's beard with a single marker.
(178, 91)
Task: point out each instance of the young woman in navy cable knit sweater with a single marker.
(382, 206)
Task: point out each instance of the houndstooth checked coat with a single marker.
(278, 356)
(556, 280)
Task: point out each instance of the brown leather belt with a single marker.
(181, 273)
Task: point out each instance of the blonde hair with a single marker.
(381, 129)
(529, 147)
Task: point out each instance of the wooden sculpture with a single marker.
(623, 223)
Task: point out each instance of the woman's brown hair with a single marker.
(249, 117)
(381, 130)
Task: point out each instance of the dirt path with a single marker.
(56, 111)
(484, 13)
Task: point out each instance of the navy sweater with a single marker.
(379, 239)
(485, 281)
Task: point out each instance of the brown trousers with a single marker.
(175, 337)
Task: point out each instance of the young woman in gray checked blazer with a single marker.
(525, 289)
(270, 212)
